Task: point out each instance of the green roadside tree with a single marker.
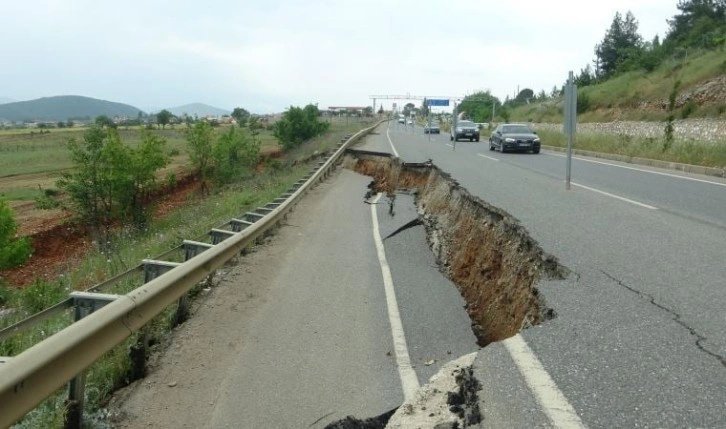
(104, 121)
(298, 125)
(254, 125)
(234, 154)
(110, 179)
(137, 176)
(241, 116)
(163, 118)
(478, 106)
(200, 141)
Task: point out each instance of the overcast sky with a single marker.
(266, 55)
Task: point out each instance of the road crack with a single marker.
(674, 315)
(415, 222)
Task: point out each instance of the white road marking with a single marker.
(627, 200)
(449, 145)
(639, 169)
(488, 157)
(550, 397)
(395, 152)
(409, 381)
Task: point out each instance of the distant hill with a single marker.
(198, 109)
(63, 107)
(4, 100)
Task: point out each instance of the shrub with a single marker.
(298, 125)
(688, 108)
(13, 251)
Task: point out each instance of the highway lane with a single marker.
(700, 198)
(301, 336)
(639, 338)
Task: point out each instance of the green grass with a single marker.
(127, 249)
(683, 151)
(620, 98)
(22, 153)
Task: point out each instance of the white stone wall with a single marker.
(704, 130)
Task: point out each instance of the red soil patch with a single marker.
(57, 244)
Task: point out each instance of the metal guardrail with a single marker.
(103, 321)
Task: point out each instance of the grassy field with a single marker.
(191, 221)
(621, 97)
(30, 162)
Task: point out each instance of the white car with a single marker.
(410, 122)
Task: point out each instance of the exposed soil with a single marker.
(482, 249)
(57, 241)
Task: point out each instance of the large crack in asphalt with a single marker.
(675, 316)
(482, 249)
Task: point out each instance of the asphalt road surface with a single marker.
(639, 338)
(300, 333)
(304, 332)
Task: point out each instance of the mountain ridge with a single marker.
(64, 107)
(199, 109)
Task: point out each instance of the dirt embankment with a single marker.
(482, 249)
(57, 241)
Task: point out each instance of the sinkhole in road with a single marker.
(484, 250)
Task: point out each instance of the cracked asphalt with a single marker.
(639, 338)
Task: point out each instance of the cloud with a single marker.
(267, 55)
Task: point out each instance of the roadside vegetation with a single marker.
(631, 78)
(681, 151)
(232, 189)
(680, 76)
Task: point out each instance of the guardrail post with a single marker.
(85, 303)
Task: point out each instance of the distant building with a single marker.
(339, 110)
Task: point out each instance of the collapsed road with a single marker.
(299, 334)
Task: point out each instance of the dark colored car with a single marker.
(432, 128)
(464, 130)
(514, 137)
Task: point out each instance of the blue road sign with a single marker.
(437, 102)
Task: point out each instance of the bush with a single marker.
(583, 102)
(688, 108)
(45, 201)
(13, 251)
(233, 153)
(298, 125)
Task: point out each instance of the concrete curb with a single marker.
(686, 168)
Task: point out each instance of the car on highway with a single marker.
(514, 137)
(464, 130)
(432, 128)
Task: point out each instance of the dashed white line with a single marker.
(550, 397)
(627, 200)
(395, 152)
(639, 169)
(488, 157)
(409, 381)
(449, 145)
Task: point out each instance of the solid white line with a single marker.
(627, 200)
(639, 169)
(395, 152)
(488, 157)
(550, 398)
(409, 381)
